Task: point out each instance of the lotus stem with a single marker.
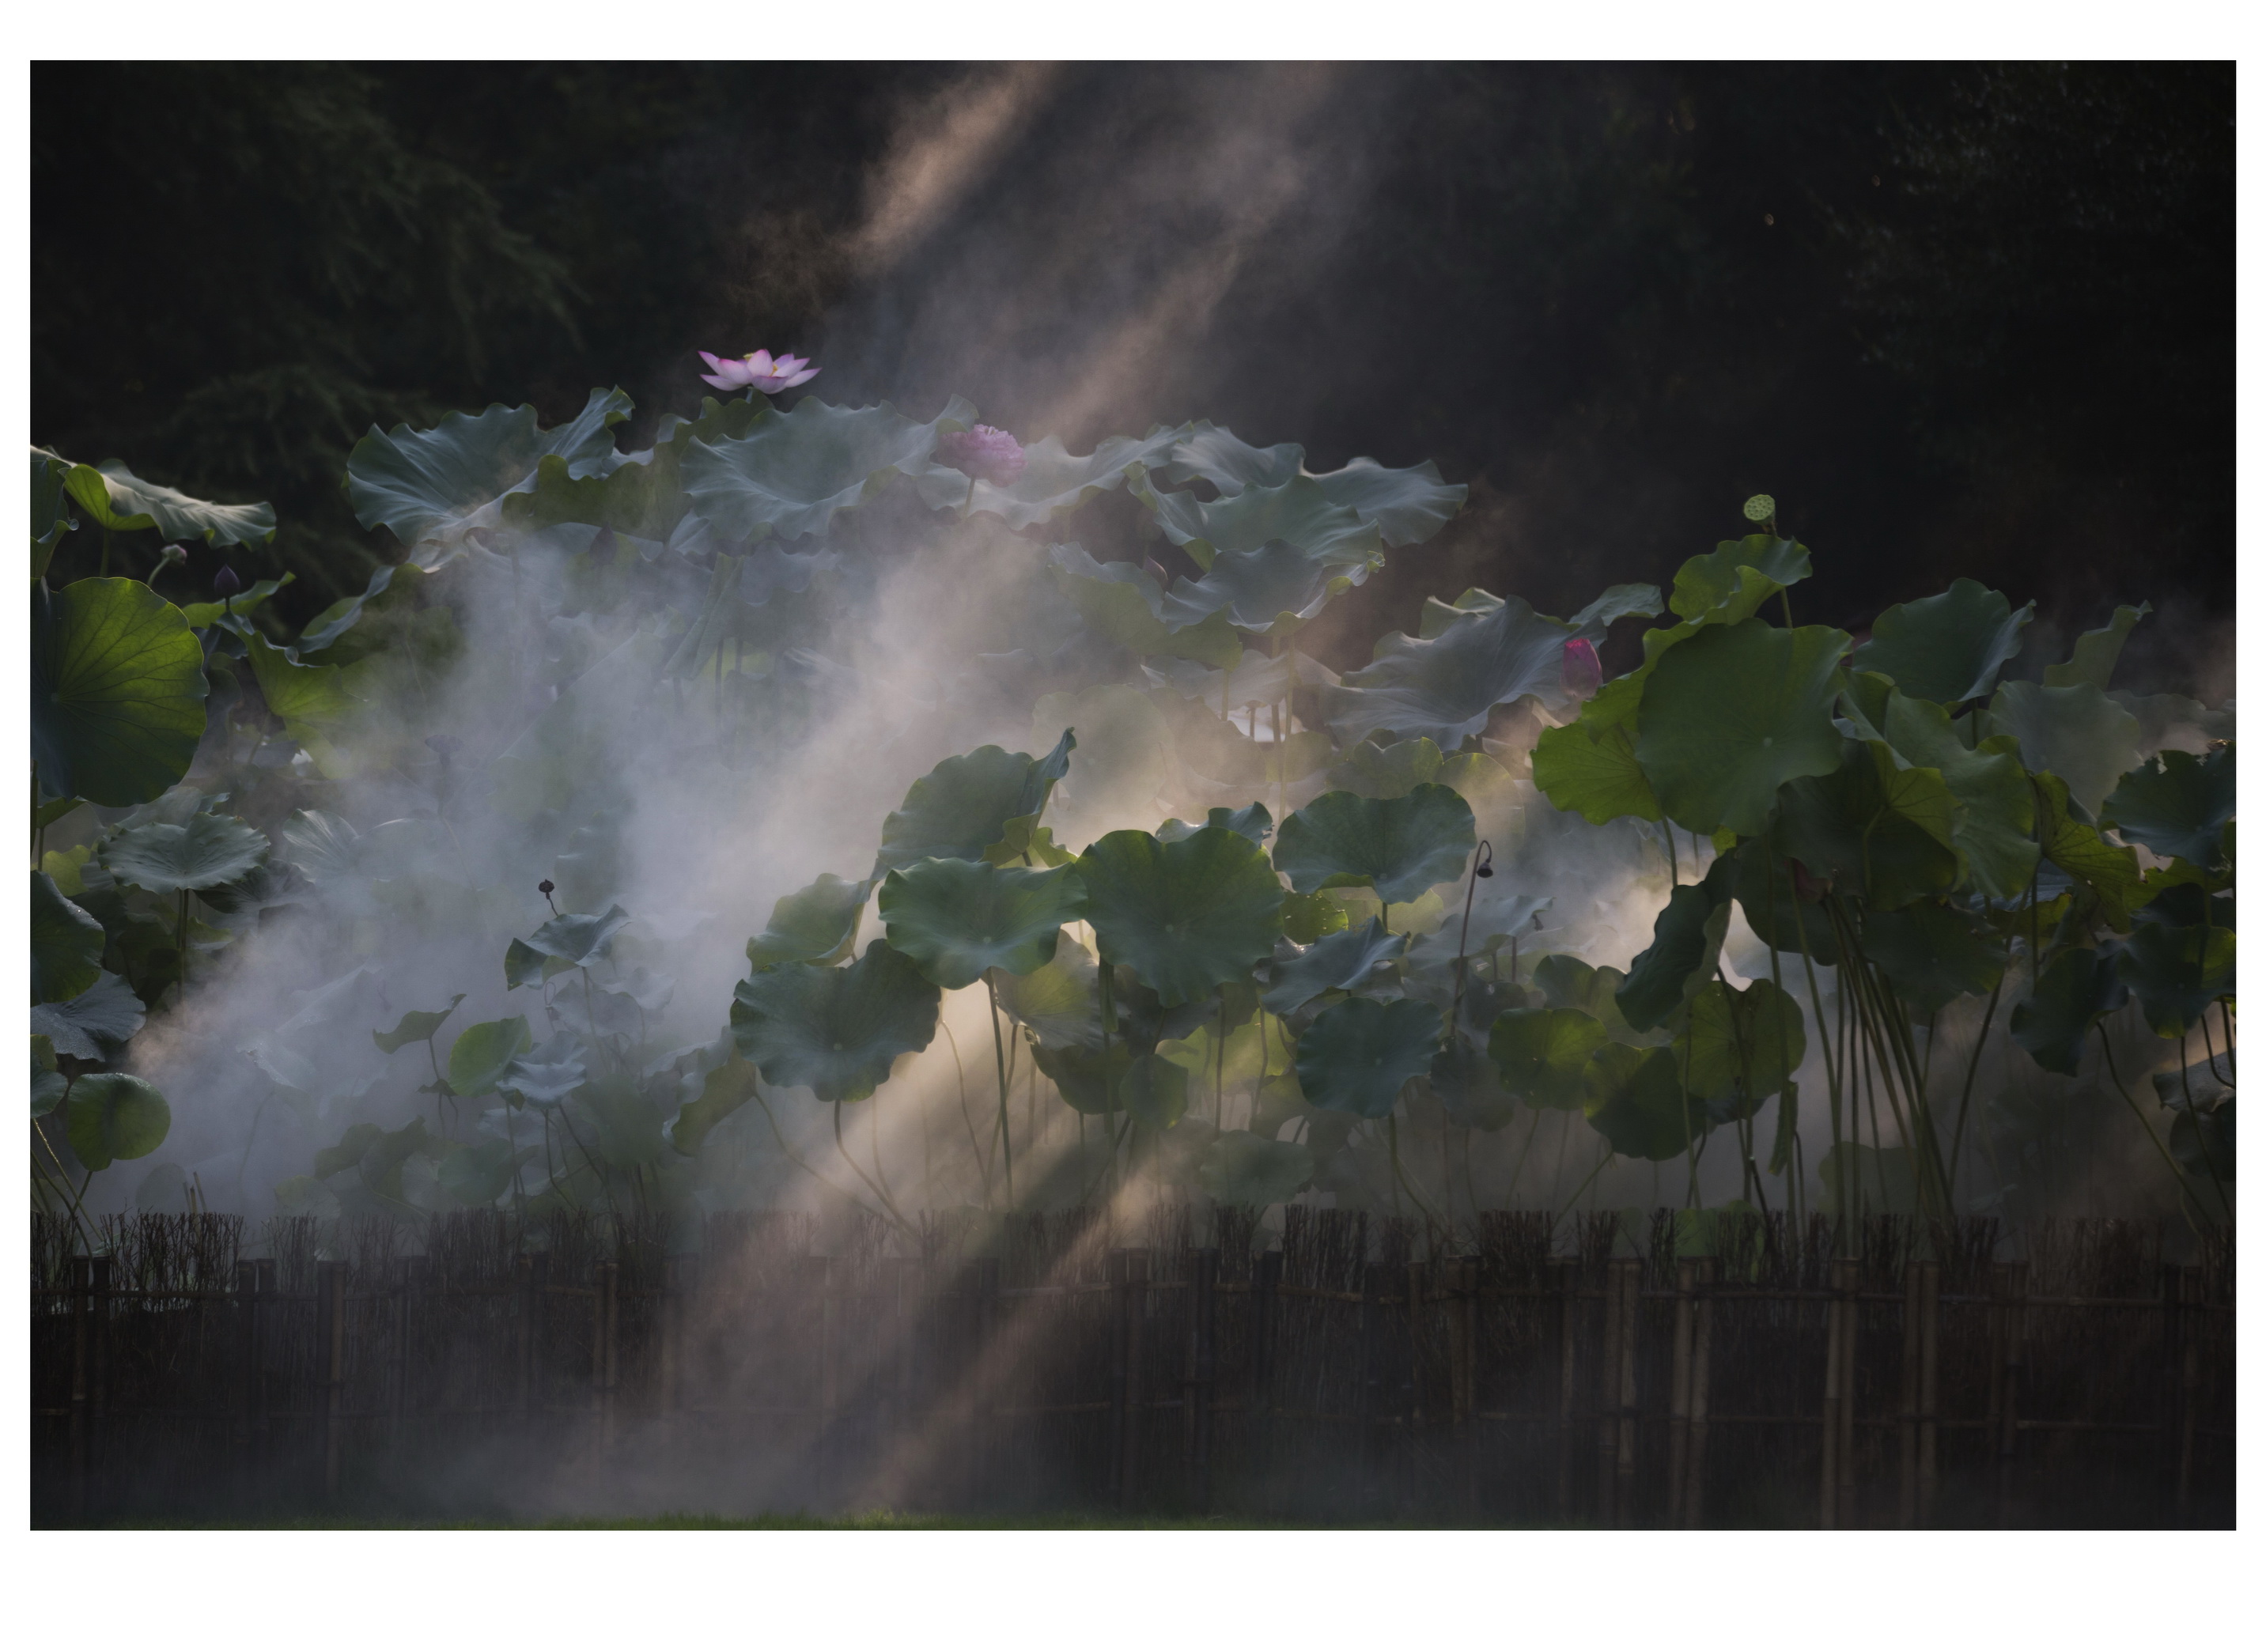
(1975, 1058)
(858, 1170)
(2179, 1177)
(982, 1161)
(1579, 1191)
(999, 1053)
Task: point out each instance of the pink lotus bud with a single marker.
(758, 371)
(1807, 888)
(988, 455)
(1580, 670)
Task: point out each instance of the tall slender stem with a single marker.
(999, 1053)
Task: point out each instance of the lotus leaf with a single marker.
(1687, 938)
(1566, 983)
(114, 1115)
(2078, 988)
(580, 937)
(118, 691)
(1589, 767)
(1255, 679)
(958, 809)
(1124, 604)
(2077, 733)
(1874, 827)
(1359, 1053)
(1542, 1054)
(1270, 590)
(230, 611)
(67, 944)
(1994, 827)
(1183, 917)
(484, 1052)
(790, 474)
(1635, 1099)
(1732, 713)
(1243, 1169)
(817, 924)
(1153, 1092)
(51, 517)
(1709, 582)
(1737, 1047)
(2176, 805)
(2177, 972)
(2203, 1141)
(317, 704)
(2093, 658)
(1054, 481)
(2109, 873)
(1933, 953)
(49, 1086)
(417, 1027)
(1251, 820)
(1615, 601)
(1058, 1000)
(1306, 918)
(1374, 770)
(1343, 962)
(1446, 687)
(210, 851)
(480, 1175)
(93, 1025)
(1212, 453)
(1298, 511)
(1400, 846)
(524, 966)
(959, 919)
(1438, 615)
(714, 1096)
(1088, 1075)
(429, 485)
(122, 501)
(1948, 647)
(838, 1030)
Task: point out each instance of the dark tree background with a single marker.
(1958, 320)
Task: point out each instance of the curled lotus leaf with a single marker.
(1298, 511)
(1252, 820)
(1343, 962)
(484, 1052)
(2076, 990)
(67, 944)
(1933, 953)
(2178, 971)
(1596, 616)
(2108, 873)
(960, 808)
(1123, 604)
(1733, 712)
(2176, 805)
(836, 1031)
(1058, 1000)
(1054, 481)
(230, 611)
(1400, 847)
(1874, 826)
(1741, 573)
(1687, 939)
(580, 937)
(120, 500)
(1408, 505)
(51, 501)
(1994, 827)
(1207, 452)
(1541, 1054)
(114, 1115)
(210, 851)
(1243, 1168)
(1445, 687)
(2093, 657)
(430, 486)
(709, 1097)
(1635, 1099)
(792, 474)
(118, 691)
(1184, 916)
(1270, 590)
(1359, 1053)
(960, 919)
(1737, 1047)
(817, 924)
(1589, 767)
(93, 1025)
(417, 1027)
(546, 1076)
(1394, 771)
(1948, 647)
(2076, 731)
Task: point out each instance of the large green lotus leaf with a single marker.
(1394, 771)
(1270, 590)
(1058, 1001)
(2077, 732)
(118, 499)
(1687, 938)
(1123, 604)
(118, 691)
(1154, 1094)
(2174, 721)
(1933, 953)
(1874, 827)
(429, 486)
(580, 936)
(210, 851)
(417, 1027)
(1207, 452)
(66, 945)
(1250, 1170)
(1408, 505)
(1089, 1076)
(93, 1025)
(2176, 804)
(1767, 896)
(960, 918)
(1252, 820)
(230, 612)
(51, 500)
(1255, 679)
(1589, 766)
(1468, 1087)
(1343, 962)
(790, 474)
(2178, 971)
(2093, 658)
(1306, 918)
(1400, 846)
(1732, 713)
(1948, 647)
(1054, 481)
(1567, 983)
(1995, 827)
(114, 1115)
(49, 1086)
(1596, 616)
(1437, 616)
(356, 626)
(836, 1031)
(1359, 1052)
(543, 1078)
(708, 1097)
(483, 1052)
(817, 924)
(958, 808)
(1184, 916)
(2076, 990)
(1737, 1047)
(525, 967)
(1543, 1054)
(1635, 1099)
(1714, 581)
(1445, 687)
(2109, 873)
(318, 708)
(477, 1176)
(1251, 1052)
(1299, 511)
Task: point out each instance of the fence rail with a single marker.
(1051, 1361)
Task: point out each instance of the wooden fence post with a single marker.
(531, 1279)
(1852, 1317)
(1908, 1406)
(1828, 1472)
(2191, 1383)
(1463, 1371)
(1567, 1283)
(1372, 1383)
(606, 1368)
(1119, 1274)
(252, 1431)
(81, 1312)
(1608, 1390)
(1413, 1432)
(1703, 1338)
(2014, 1278)
(98, 1410)
(1201, 1356)
(1624, 1440)
(331, 1356)
(1931, 1288)
(1136, 1309)
(1266, 1281)
(983, 1424)
(1679, 1392)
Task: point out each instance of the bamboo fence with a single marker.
(1360, 1371)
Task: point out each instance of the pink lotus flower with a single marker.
(1580, 670)
(983, 455)
(759, 371)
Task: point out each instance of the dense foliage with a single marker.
(1993, 917)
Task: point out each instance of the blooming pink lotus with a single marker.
(759, 371)
(983, 455)
(1580, 670)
